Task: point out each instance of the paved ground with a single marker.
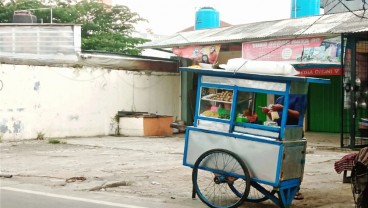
(149, 170)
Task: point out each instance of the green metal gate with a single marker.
(324, 106)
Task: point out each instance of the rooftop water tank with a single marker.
(24, 16)
(304, 8)
(207, 17)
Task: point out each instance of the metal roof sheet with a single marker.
(321, 25)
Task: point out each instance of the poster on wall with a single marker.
(309, 49)
(199, 54)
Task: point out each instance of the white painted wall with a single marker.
(64, 102)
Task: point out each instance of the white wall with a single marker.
(61, 102)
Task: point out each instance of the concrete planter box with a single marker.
(146, 126)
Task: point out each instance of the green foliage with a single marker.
(104, 28)
(56, 141)
(106, 41)
(7, 9)
(116, 118)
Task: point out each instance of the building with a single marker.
(49, 87)
(327, 112)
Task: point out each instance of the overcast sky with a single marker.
(167, 17)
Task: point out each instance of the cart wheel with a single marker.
(214, 172)
(255, 195)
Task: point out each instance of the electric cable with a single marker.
(364, 3)
(362, 17)
(328, 2)
(184, 37)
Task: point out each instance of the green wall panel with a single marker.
(324, 106)
(261, 100)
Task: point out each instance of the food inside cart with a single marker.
(222, 96)
(247, 115)
(217, 103)
(245, 111)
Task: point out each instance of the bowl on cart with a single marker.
(205, 66)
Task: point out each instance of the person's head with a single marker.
(247, 112)
(212, 49)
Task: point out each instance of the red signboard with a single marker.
(320, 72)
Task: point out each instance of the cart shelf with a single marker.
(208, 98)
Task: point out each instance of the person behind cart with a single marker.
(296, 110)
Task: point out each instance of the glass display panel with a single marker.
(245, 110)
(215, 103)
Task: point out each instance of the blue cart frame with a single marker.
(273, 155)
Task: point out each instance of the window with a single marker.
(216, 103)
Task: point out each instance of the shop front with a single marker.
(354, 111)
(314, 45)
(313, 57)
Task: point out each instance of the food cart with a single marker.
(235, 157)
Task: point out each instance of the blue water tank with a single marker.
(303, 8)
(207, 17)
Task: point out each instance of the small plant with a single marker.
(115, 124)
(40, 136)
(56, 141)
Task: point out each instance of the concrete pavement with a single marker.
(148, 170)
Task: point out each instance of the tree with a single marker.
(104, 28)
(7, 9)
(108, 29)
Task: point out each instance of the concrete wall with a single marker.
(66, 101)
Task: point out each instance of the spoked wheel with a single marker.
(255, 195)
(215, 174)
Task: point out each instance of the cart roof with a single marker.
(243, 75)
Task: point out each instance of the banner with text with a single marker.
(313, 49)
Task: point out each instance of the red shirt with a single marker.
(212, 57)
